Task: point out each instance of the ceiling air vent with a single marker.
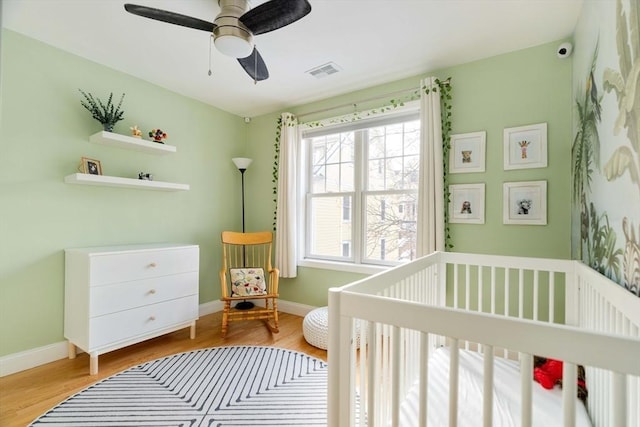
(324, 70)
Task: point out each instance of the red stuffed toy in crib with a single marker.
(548, 372)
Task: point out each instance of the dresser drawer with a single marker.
(137, 265)
(124, 296)
(124, 325)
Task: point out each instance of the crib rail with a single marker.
(405, 313)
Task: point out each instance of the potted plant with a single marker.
(107, 114)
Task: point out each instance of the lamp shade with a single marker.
(242, 162)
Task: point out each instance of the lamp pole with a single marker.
(242, 173)
(242, 163)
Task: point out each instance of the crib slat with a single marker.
(487, 395)
(493, 289)
(467, 281)
(455, 286)
(453, 383)
(395, 376)
(569, 391)
(424, 379)
(520, 293)
(506, 292)
(552, 297)
(480, 290)
(536, 288)
(619, 400)
(374, 360)
(526, 367)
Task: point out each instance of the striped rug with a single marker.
(222, 386)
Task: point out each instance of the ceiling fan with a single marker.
(234, 27)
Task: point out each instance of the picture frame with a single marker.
(467, 152)
(525, 147)
(525, 202)
(466, 203)
(90, 166)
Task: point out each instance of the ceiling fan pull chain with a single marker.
(210, 44)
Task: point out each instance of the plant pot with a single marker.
(108, 127)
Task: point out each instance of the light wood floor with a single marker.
(26, 395)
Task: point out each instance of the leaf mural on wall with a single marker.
(626, 86)
(599, 239)
(622, 160)
(631, 258)
(585, 150)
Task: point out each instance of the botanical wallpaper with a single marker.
(606, 145)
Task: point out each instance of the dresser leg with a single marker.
(192, 330)
(71, 348)
(93, 364)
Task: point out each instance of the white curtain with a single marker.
(286, 221)
(431, 185)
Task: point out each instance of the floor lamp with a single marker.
(242, 163)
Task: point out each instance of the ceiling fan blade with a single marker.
(170, 17)
(254, 66)
(274, 14)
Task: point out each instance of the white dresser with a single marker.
(120, 295)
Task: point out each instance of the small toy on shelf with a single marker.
(137, 133)
(158, 135)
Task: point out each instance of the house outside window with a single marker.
(361, 187)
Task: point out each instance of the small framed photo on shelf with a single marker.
(467, 152)
(466, 203)
(90, 166)
(525, 147)
(525, 202)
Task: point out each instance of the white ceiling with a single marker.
(373, 41)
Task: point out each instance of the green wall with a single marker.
(44, 131)
(524, 87)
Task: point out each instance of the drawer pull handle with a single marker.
(152, 291)
(153, 264)
(152, 318)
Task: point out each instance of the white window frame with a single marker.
(355, 265)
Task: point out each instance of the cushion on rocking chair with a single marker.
(247, 281)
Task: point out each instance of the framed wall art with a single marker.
(467, 152)
(90, 166)
(466, 203)
(525, 202)
(525, 147)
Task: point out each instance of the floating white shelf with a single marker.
(115, 181)
(131, 143)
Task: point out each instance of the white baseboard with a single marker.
(21, 361)
(16, 362)
(294, 308)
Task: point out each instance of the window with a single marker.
(361, 190)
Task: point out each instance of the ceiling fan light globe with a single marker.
(233, 45)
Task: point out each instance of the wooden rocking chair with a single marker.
(247, 275)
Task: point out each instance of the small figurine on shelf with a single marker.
(158, 135)
(137, 133)
(145, 176)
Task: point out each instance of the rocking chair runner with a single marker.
(247, 274)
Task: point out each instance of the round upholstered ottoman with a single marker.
(315, 328)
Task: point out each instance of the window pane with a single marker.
(318, 184)
(392, 156)
(332, 168)
(390, 227)
(330, 228)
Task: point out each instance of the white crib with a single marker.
(499, 308)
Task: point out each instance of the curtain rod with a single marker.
(375, 98)
(362, 101)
